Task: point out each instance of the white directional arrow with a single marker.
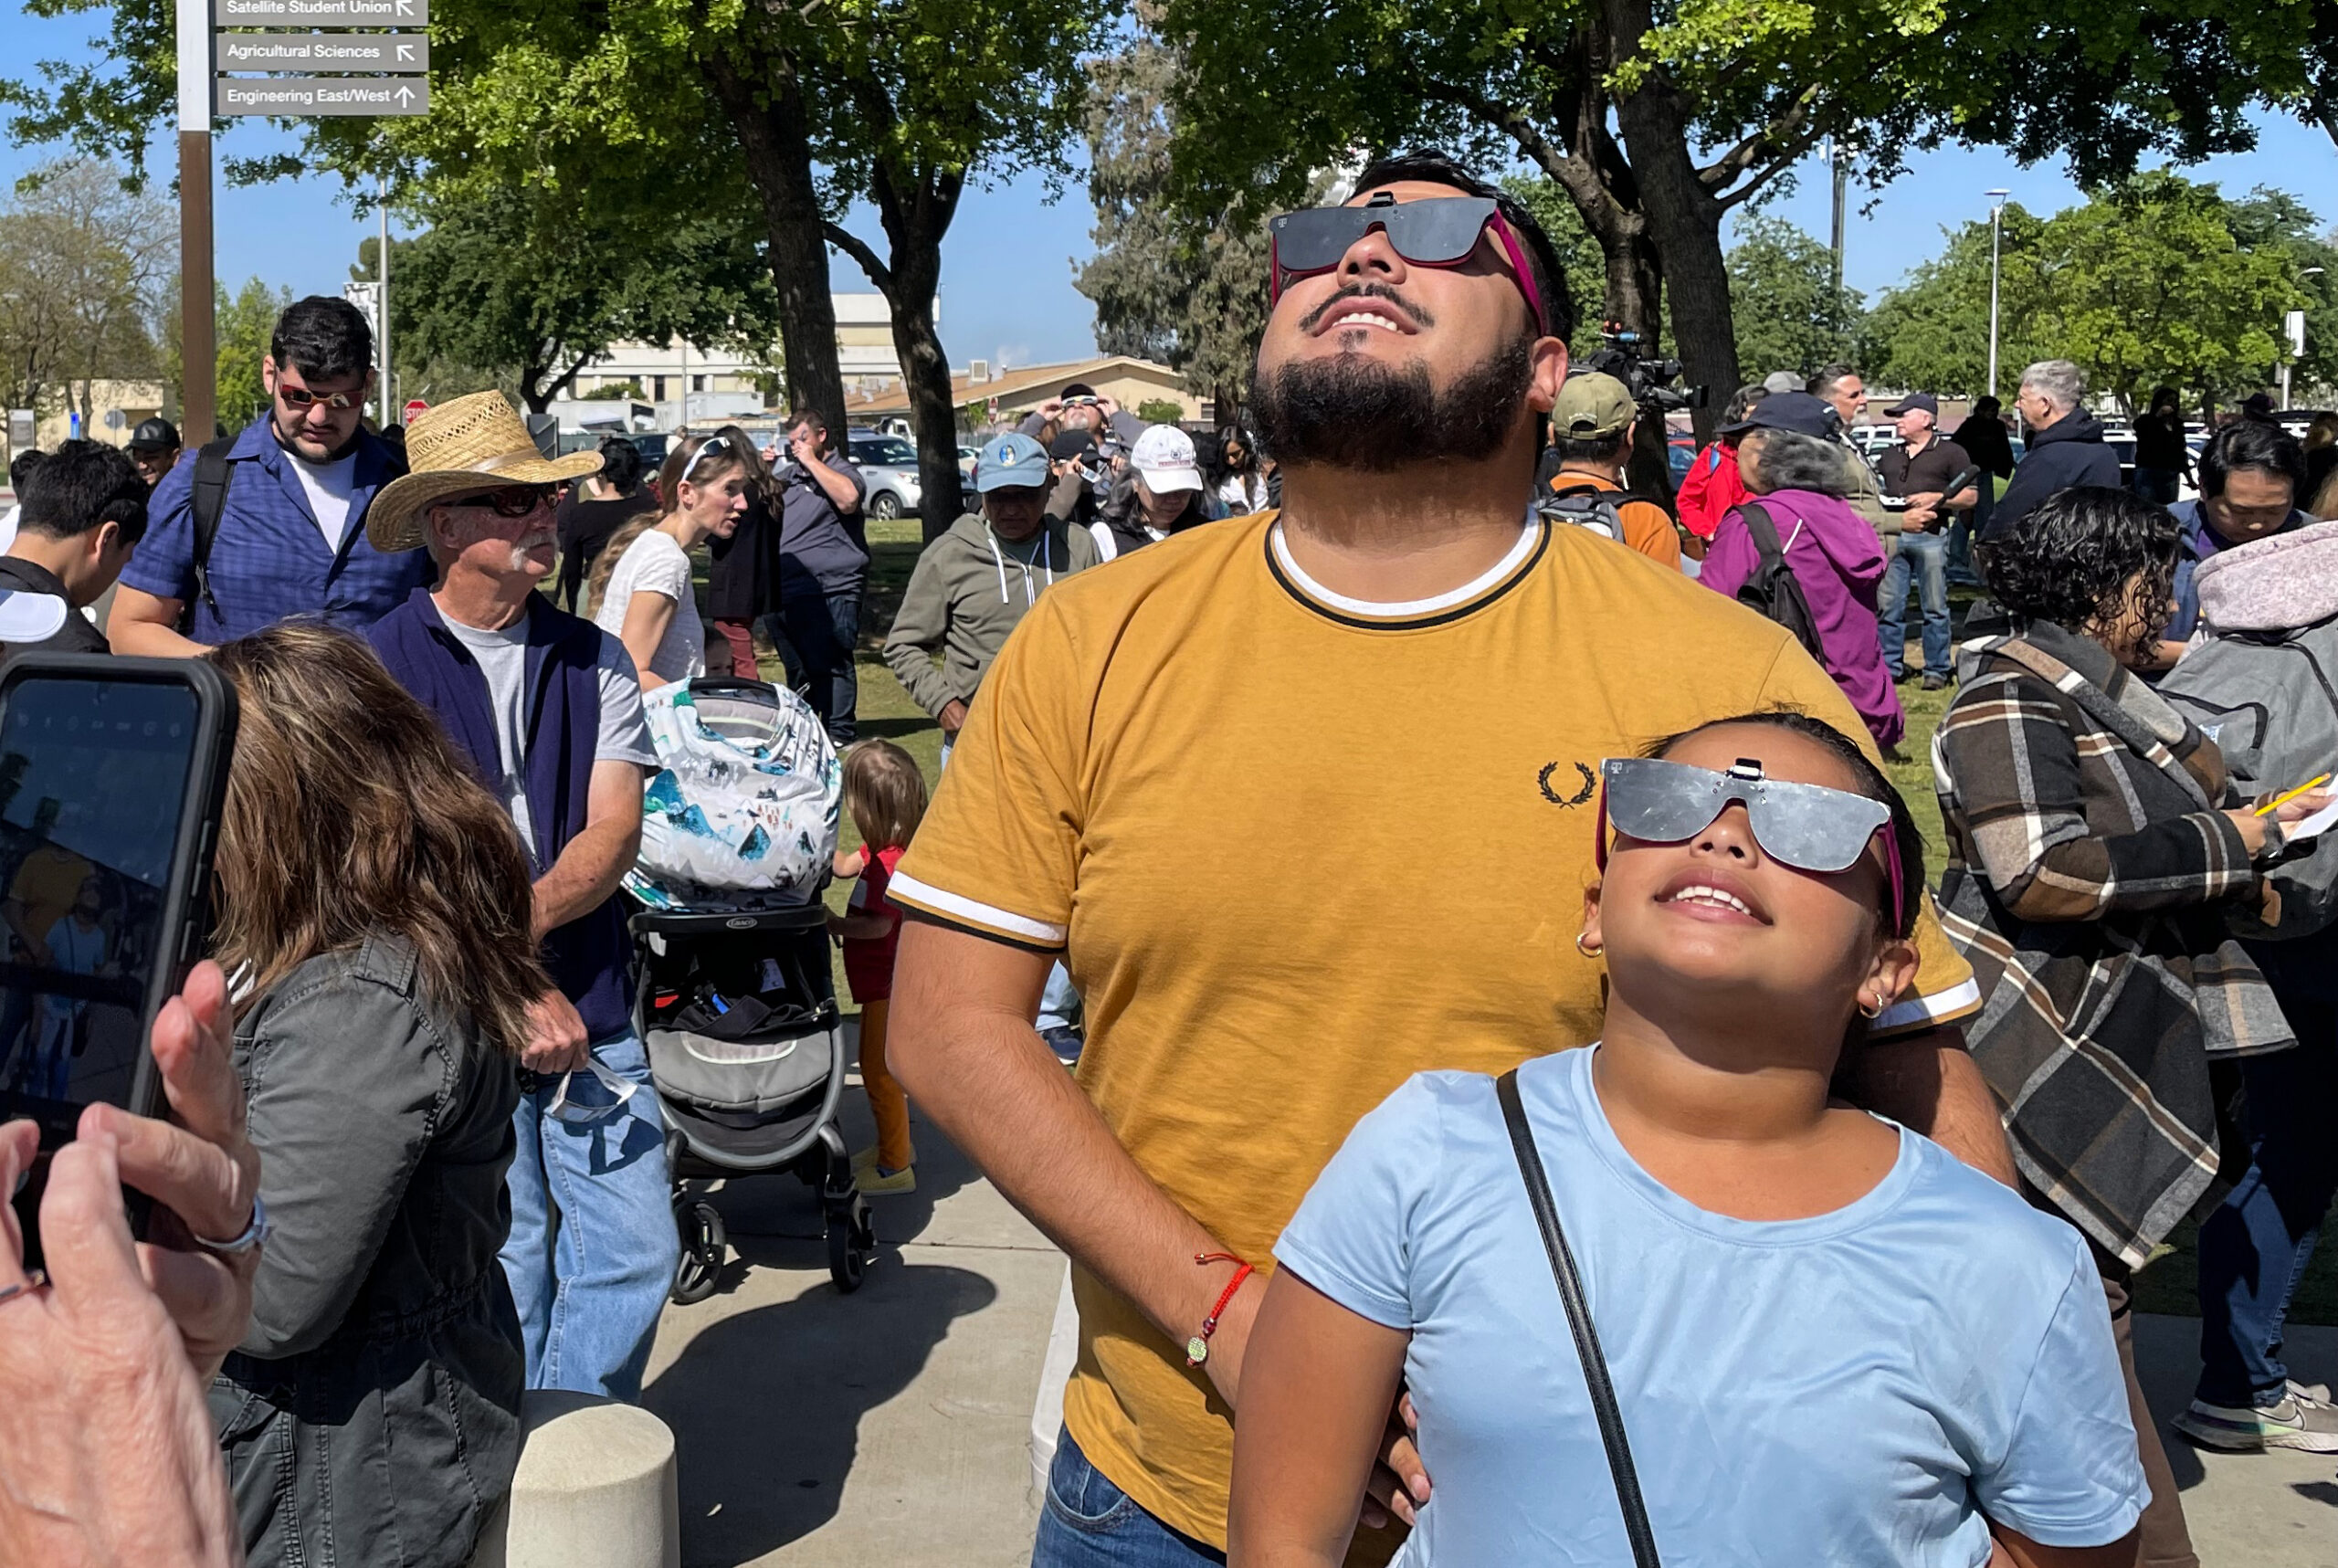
(405, 95)
(405, 8)
(405, 51)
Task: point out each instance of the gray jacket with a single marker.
(371, 1414)
(2264, 686)
(969, 589)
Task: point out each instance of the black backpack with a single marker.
(212, 473)
(1772, 592)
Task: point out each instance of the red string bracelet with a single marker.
(1197, 1348)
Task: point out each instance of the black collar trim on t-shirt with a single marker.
(1444, 617)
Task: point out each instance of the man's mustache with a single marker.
(1421, 317)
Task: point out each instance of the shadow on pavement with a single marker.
(767, 1405)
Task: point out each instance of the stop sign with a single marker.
(413, 408)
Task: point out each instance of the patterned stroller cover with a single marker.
(743, 815)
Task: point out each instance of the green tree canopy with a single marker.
(2154, 279)
(1790, 314)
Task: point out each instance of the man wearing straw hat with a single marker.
(549, 708)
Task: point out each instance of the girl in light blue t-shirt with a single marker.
(1830, 1341)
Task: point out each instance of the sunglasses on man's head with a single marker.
(301, 397)
(509, 500)
(1807, 827)
(1440, 231)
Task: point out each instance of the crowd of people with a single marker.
(1662, 1111)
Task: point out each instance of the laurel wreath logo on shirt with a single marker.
(1590, 784)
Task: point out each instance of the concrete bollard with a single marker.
(596, 1489)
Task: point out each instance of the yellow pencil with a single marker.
(2278, 801)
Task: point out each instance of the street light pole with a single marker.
(381, 310)
(198, 351)
(1996, 232)
(2297, 346)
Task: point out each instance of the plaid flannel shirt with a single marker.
(2090, 872)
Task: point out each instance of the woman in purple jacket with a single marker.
(1800, 477)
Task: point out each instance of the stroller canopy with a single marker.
(742, 814)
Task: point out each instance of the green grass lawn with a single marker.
(2168, 1285)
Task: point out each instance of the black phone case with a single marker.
(186, 896)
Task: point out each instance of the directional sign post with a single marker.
(396, 53)
(322, 13)
(320, 77)
(313, 97)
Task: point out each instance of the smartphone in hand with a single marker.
(112, 775)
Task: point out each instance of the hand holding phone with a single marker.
(113, 774)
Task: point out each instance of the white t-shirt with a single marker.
(654, 563)
(502, 657)
(329, 488)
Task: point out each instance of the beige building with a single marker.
(986, 396)
(115, 409)
(665, 373)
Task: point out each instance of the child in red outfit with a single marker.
(886, 795)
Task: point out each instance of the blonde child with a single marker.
(886, 795)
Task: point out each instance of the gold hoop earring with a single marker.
(1584, 945)
(1871, 1014)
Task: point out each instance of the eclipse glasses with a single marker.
(1440, 231)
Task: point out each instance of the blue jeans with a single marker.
(593, 1247)
(2158, 486)
(2255, 1248)
(1925, 555)
(1089, 1522)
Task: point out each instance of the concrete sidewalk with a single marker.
(889, 1428)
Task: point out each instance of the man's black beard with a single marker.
(1355, 412)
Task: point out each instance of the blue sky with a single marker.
(1006, 290)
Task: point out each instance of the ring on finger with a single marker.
(254, 1234)
(32, 1282)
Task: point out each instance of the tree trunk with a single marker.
(775, 138)
(1683, 221)
(916, 209)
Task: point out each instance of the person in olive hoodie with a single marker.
(973, 585)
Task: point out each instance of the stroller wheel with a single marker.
(704, 1245)
(847, 1267)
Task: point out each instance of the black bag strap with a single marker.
(1765, 532)
(212, 473)
(1586, 1338)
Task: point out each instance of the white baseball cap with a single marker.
(1163, 459)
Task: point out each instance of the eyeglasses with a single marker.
(713, 444)
(509, 500)
(1441, 231)
(300, 397)
(1807, 827)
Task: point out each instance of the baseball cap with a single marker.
(1010, 461)
(1779, 381)
(28, 617)
(1915, 402)
(1071, 444)
(1795, 411)
(1592, 405)
(1163, 459)
(157, 435)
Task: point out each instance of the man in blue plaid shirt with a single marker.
(291, 532)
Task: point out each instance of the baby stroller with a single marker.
(734, 994)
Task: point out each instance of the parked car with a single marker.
(890, 465)
(967, 457)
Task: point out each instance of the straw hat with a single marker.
(472, 444)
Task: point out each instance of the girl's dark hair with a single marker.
(621, 465)
(1870, 783)
(2081, 556)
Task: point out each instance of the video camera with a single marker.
(1646, 379)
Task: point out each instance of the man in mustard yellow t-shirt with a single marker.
(1307, 800)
